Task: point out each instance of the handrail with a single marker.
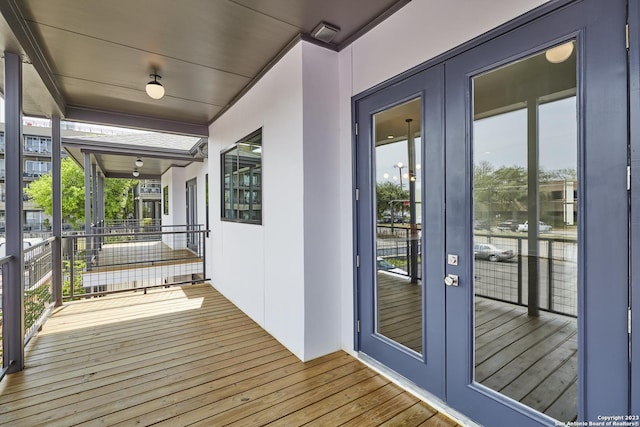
(102, 263)
(5, 259)
(39, 244)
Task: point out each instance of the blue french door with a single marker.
(400, 161)
(493, 222)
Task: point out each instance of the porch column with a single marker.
(533, 216)
(56, 214)
(87, 208)
(101, 198)
(94, 194)
(12, 295)
(95, 244)
(100, 208)
(413, 227)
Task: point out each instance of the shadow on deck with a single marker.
(183, 356)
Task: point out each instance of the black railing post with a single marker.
(204, 256)
(72, 274)
(550, 273)
(520, 271)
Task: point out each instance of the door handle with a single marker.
(451, 280)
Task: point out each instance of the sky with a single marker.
(502, 140)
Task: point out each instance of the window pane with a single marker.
(242, 180)
(398, 290)
(525, 235)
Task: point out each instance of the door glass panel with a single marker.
(398, 224)
(525, 239)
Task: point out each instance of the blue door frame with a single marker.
(608, 382)
(634, 127)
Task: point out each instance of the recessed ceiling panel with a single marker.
(217, 34)
(350, 16)
(100, 53)
(113, 98)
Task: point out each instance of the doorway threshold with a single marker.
(430, 399)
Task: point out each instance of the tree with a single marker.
(387, 192)
(72, 187)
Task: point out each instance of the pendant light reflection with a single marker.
(559, 54)
(136, 173)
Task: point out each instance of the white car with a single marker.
(542, 227)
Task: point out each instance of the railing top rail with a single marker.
(5, 259)
(141, 233)
(40, 244)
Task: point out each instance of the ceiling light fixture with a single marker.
(139, 162)
(154, 89)
(560, 53)
(136, 173)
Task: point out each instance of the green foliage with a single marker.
(117, 202)
(385, 193)
(504, 190)
(78, 267)
(35, 302)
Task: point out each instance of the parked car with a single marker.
(542, 227)
(509, 225)
(385, 265)
(480, 225)
(491, 252)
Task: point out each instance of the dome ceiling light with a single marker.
(154, 89)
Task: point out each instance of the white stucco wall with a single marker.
(261, 267)
(175, 179)
(321, 200)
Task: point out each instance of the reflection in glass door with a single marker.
(193, 239)
(398, 290)
(525, 238)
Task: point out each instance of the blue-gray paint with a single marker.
(604, 379)
(426, 370)
(56, 211)
(12, 294)
(603, 270)
(634, 113)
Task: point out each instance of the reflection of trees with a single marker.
(387, 192)
(503, 191)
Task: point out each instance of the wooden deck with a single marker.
(533, 360)
(530, 359)
(128, 255)
(187, 356)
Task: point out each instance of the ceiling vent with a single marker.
(325, 32)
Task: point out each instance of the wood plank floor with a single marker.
(187, 356)
(530, 359)
(130, 255)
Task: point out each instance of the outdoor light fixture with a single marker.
(136, 173)
(139, 163)
(154, 89)
(559, 54)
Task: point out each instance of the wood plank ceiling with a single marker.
(92, 58)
